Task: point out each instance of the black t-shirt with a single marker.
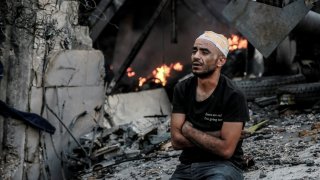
(226, 104)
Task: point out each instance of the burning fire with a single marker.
(142, 81)
(237, 42)
(178, 66)
(159, 74)
(130, 72)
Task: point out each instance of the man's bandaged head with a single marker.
(218, 40)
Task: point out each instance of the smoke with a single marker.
(193, 18)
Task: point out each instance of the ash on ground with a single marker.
(287, 147)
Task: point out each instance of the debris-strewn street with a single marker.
(87, 87)
(287, 147)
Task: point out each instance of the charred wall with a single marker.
(50, 69)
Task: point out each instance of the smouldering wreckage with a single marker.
(114, 146)
(138, 125)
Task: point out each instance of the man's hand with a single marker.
(177, 138)
(186, 128)
(245, 134)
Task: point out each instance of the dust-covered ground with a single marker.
(287, 147)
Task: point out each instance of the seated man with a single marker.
(208, 115)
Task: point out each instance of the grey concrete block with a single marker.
(143, 126)
(126, 108)
(75, 68)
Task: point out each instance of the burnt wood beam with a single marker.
(100, 20)
(174, 38)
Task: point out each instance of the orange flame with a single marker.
(130, 72)
(237, 42)
(160, 74)
(142, 81)
(178, 66)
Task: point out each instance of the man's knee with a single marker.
(223, 171)
(182, 172)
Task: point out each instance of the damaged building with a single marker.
(87, 85)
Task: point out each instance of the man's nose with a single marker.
(196, 55)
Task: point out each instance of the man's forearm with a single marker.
(214, 133)
(202, 139)
(181, 142)
(210, 142)
(177, 139)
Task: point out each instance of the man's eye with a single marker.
(205, 52)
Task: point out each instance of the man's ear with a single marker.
(221, 61)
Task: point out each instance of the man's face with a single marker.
(204, 58)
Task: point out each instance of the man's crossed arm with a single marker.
(222, 143)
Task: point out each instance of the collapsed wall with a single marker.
(50, 69)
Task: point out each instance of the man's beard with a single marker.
(203, 75)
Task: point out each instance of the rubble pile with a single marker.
(287, 147)
(111, 146)
(283, 144)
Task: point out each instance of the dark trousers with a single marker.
(215, 170)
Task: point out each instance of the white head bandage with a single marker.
(219, 40)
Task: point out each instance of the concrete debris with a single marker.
(143, 126)
(314, 130)
(284, 148)
(105, 150)
(127, 108)
(275, 151)
(110, 146)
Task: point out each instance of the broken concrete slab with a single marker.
(67, 103)
(257, 21)
(143, 132)
(129, 107)
(143, 126)
(75, 68)
(159, 138)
